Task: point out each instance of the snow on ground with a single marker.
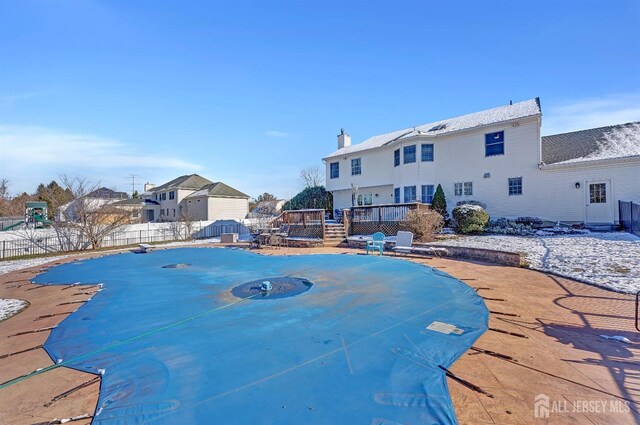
(13, 265)
(10, 307)
(609, 260)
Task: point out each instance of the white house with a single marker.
(497, 157)
(72, 211)
(192, 197)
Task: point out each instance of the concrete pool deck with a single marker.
(563, 356)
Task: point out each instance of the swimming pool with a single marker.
(179, 345)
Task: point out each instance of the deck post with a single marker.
(323, 225)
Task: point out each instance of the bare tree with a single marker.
(312, 176)
(182, 229)
(4, 189)
(85, 221)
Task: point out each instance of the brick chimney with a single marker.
(344, 139)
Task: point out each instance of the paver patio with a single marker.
(563, 356)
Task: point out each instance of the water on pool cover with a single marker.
(177, 346)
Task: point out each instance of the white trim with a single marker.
(590, 163)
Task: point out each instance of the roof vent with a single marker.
(438, 127)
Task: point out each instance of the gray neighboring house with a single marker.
(136, 207)
(193, 197)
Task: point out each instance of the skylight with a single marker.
(438, 127)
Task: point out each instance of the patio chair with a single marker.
(404, 242)
(376, 243)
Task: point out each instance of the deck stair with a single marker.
(334, 234)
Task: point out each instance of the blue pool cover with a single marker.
(175, 346)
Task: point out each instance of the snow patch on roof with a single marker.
(619, 142)
(490, 116)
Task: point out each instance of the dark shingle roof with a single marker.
(191, 181)
(219, 190)
(594, 143)
(136, 201)
(104, 192)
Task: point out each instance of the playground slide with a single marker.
(40, 219)
(13, 226)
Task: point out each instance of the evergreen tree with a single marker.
(439, 202)
(311, 198)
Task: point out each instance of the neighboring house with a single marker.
(192, 197)
(498, 157)
(71, 211)
(263, 208)
(136, 208)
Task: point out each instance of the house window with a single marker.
(396, 195)
(427, 152)
(172, 195)
(598, 193)
(396, 157)
(334, 170)
(409, 154)
(427, 193)
(409, 194)
(368, 199)
(457, 189)
(468, 188)
(174, 212)
(494, 144)
(515, 186)
(163, 196)
(355, 166)
(155, 196)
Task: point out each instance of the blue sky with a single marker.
(249, 93)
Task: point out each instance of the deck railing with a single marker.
(387, 219)
(307, 224)
(630, 216)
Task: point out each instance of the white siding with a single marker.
(460, 157)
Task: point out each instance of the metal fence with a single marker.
(31, 244)
(630, 216)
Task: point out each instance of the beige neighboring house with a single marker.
(192, 197)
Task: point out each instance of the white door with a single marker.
(599, 202)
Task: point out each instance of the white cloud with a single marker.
(276, 133)
(29, 155)
(7, 100)
(587, 113)
(42, 146)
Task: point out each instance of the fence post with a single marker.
(3, 249)
(322, 222)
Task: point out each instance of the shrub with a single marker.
(470, 218)
(424, 224)
(439, 202)
(311, 197)
(529, 221)
(472, 202)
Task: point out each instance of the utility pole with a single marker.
(133, 182)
